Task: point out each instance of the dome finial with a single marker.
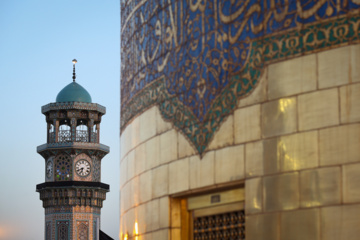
(74, 75)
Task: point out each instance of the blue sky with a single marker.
(38, 40)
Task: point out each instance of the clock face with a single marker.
(82, 168)
(49, 169)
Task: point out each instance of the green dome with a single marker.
(73, 92)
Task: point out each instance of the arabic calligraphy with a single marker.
(189, 52)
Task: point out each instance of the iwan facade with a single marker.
(240, 119)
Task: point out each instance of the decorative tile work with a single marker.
(55, 221)
(197, 61)
(63, 168)
(95, 228)
(73, 105)
(49, 169)
(48, 230)
(82, 230)
(62, 230)
(96, 174)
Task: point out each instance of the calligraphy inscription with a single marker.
(197, 58)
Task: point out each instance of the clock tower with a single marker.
(73, 193)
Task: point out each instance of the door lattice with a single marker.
(226, 226)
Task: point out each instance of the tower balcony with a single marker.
(80, 136)
(49, 149)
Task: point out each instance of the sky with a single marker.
(38, 40)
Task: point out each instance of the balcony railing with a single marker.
(94, 137)
(82, 136)
(65, 136)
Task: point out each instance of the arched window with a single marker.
(62, 230)
(64, 131)
(48, 231)
(82, 133)
(51, 133)
(94, 134)
(82, 231)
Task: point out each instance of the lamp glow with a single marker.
(136, 230)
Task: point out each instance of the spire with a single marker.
(74, 75)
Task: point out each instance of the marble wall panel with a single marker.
(131, 165)
(224, 136)
(145, 186)
(160, 184)
(202, 171)
(134, 134)
(168, 146)
(253, 195)
(254, 163)
(281, 192)
(291, 77)
(334, 67)
(229, 164)
(164, 218)
(140, 218)
(278, 117)
(291, 152)
(349, 103)
(340, 222)
(140, 159)
(147, 125)
(298, 151)
(162, 234)
(152, 210)
(338, 145)
(318, 109)
(130, 220)
(351, 183)
(152, 152)
(179, 176)
(185, 148)
(263, 226)
(319, 187)
(247, 124)
(354, 62)
(124, 198)
(301, 224)
(271, 161)
(134, 192)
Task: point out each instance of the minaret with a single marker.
(72, 193)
